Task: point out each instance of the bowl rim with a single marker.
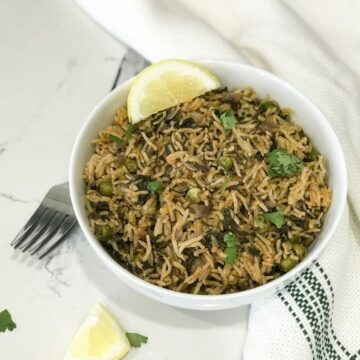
(117, 268)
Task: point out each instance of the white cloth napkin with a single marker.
(315, 46)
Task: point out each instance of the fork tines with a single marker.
(49, 225)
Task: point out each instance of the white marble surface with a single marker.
(55, 66)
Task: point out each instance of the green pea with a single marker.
(193, 195)
(104, 232)
(131, 165)
(261, 224)
(226, 162)
(106, 188)
(288, 263)
(300, 250)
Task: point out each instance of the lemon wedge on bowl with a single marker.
(166, 84)
(99, 338)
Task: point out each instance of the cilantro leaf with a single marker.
(231, 249)
(6, 322)
(276, 217)
(283, 164)
(155, 186)
(136, 339)
(228, 119)
(122, 142)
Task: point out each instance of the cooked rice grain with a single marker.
(164, 239)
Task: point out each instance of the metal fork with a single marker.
(50, 224)
(54, 219)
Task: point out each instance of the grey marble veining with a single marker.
(70, 65)
(3, 147)
(13, 198)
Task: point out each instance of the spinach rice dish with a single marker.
(217, 195)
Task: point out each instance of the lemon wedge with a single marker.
(166, 84)
(99, 338)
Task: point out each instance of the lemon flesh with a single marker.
(166, 84)
(99, 338)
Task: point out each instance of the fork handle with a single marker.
(131, 64)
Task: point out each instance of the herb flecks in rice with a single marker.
(166, 237)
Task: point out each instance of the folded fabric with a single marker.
(314, 46)
(159, 29)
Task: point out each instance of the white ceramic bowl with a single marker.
(233, 75)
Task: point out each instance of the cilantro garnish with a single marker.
(283, 164)
(228, 119)
(276, 217)
(136, 339)
(6, 322)
(231, 249)
(155, 186)
(122, 142)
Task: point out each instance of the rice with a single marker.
(165, 239)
